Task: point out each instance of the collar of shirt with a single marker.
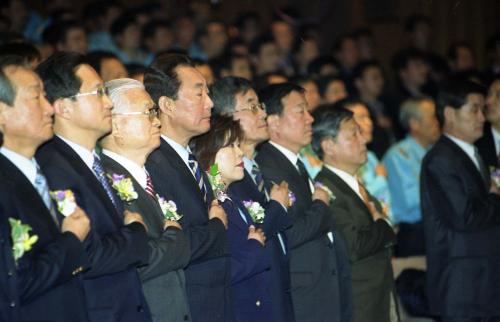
(288, 154)
(349, 179)
(496, 138)
(181, 151)
(86, 155)
(468, 148)
(25, 165)
(138, 172)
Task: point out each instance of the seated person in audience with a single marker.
(264, 55)
(236, 65)
(331, 89)
(489, 143)
(319, 271)
(107, 65)
(205, 69)
(126, 35)
(135, 134)
(403, 162)
(361, 221)
(250, 261)
(235, 97)
(461, 213)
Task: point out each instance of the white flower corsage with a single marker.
(169, 209)
(255, 210)
(65, 200)
(123, 186)
(218, 186)
(21, 240)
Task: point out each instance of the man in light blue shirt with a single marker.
(403, 162)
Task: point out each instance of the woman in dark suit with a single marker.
(250, 262)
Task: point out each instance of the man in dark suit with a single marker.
(461, 213)
(338, 142)
(43, 282)
(181, 93)
(489, 143)
(117, 242)
(320, 276)
(234, 96)
(135, 118)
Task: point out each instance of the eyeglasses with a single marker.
(100, 92)
(151, 113)
(254, 108)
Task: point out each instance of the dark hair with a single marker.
(327, 122)
(225, 62)
(7, 89)
(96, 58)
(324, 81)
(337, 46)
(414, 20)
(453, 49)
(61, 29)
(23, 49)
(58, 73)
(402, 58)
(257, 43)
(122, 23)
(149, 30)
(315, 66)
(348, 102)
(224, 131)
(223, 93)
(360, 69)
(272, 96)
(135, 69)
(161, 78)
(454, 95)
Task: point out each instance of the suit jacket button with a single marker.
(10, 273)
(257, 303)
(140, 308)
(12, 304)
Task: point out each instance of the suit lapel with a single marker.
(77, 163)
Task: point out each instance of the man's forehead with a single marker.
(23, 77)
(190, 76)
(88, 76)
(294, 98)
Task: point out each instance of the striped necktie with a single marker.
(101, 177)
(149, 186)
(43, 190)
(257, 176)
(193, 164)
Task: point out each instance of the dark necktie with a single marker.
(303, 173)
(485, 173)
(149, 186)
(257, 176)
(193, 164)
(43, 190)
(101, 177)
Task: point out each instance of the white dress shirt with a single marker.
(496, 139)
(349, 179)
(86, 155)
(135, 170)
(468, 148)
(25, 165)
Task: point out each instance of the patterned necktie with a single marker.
(257, 176)
(193, 164)
(364, 194)
(149, 186)
(303, 173)
(43, 190)
(101, 176)
(485, 174)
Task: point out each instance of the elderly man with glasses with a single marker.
(135, 134)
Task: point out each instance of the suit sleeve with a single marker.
(277, 218)
(117, 251)
(55, 264)
(168, 253)
(361, 241)
(461, 206)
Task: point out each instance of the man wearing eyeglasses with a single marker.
(135, 134)
(117, 242)
(234, 96)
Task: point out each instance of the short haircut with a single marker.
(327, 122)
(360, 69)
(224, 131)
(410, 109)
(403, 58)
(149, 30)
(454, 95)
(58, 73)
(117, 88)
(348, 102)
(61, 30)
(96, 58)
(324, 81)
(315, 66)
(257, 44)
(414, 20)
(161, 78)
(122, 23)
(223, 93)
(7, 89)
(23, 49)
(272, 96)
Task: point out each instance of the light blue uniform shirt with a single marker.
(376, 184)
(403, 162)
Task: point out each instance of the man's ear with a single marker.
(327, 146)
(166, 105)
(63, 108)
(449, 114)
(3, 106)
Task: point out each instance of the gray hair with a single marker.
(117, 87)
(326, 125)
(410, 109)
